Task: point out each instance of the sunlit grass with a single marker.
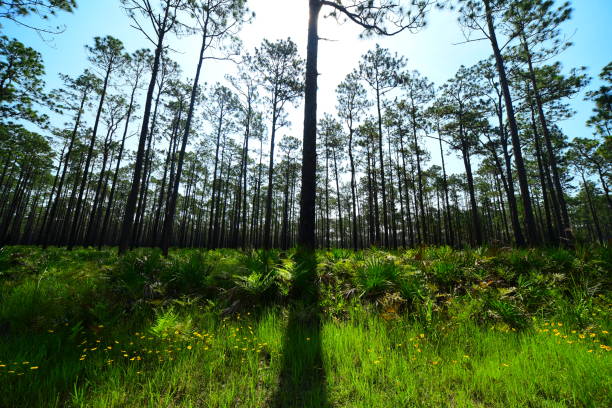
(71, 335)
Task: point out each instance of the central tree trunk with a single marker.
(306, 238)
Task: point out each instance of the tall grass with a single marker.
(432, 327)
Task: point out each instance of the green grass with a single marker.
(432, 327)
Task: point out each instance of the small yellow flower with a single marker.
(34, 368)
(505, 365)
(189, 347)
(559, 324)
(582, 336)
(434, 362)
(590, 351)
(307, 338)
(421, 335)
(376, 362)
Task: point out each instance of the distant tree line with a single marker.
(213, 166)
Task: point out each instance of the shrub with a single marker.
(265, 277)
(193, 274)
(377, 276)
(508, 312)
(412, 288)
(136, 274)
(445, 272)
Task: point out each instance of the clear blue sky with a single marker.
(431, 51)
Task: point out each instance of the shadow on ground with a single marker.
(302, 377)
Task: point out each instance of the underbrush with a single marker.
(421, 327)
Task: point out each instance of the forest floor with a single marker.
(428, 327)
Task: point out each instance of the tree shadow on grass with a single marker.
(302, 377)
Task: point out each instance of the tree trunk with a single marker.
(306, 237)
(128, 217)
(532, 235)
(565, 227)
(171, 209)
(77, 212)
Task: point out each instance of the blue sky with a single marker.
(430, 51)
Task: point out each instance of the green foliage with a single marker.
(21, 84)
(264, 277)
(192, 274)
(20, 8)
(508, 312)
(413, 288)
(376, 276)
(109, 331)
(136, 274)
